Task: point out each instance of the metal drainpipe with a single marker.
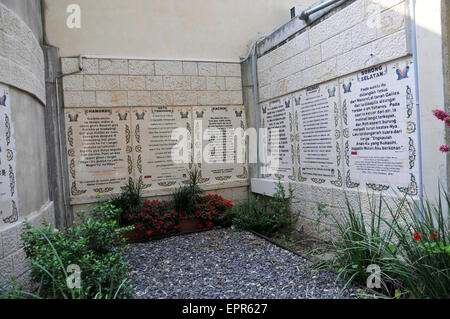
(61, 159)
(304, 15)
(416, 75)
(254, 66)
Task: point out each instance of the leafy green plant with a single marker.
(322, 213)
(266, 216)
(185, 197)
(129, 200)
(95, 245)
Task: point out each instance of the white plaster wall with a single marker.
(166, 29)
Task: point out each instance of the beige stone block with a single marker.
(198, 83)
(207, 69)
(177, 83)
(233, 83)
(337, 23)
(228, 69)
(73, 83)
(377, 6)
(185, 98)
(69, 65)
(168, 68)
(7, 46)
(294, 82)
(5, 71)
(101, 82)
(162, 98)
(355, 60)
(139, 98)
(132, 82)
(320, 73)
(154, 83)
(10, 240)
(220, 97)
(190, 68)
(363, 33)
(337, 45)
(113, 66)
(112, 98)
(141, 67)
(311, 57)
(391, 47)
(6, 271)
(23, 56)
(19, 263)
(214, 83)
(392, 20)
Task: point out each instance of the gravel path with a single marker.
(224, 264)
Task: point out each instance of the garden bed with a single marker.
(225, 264)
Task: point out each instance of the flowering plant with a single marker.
(443, 116)
(156, 217)
(211, 209)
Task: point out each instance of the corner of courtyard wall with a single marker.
(22, 82)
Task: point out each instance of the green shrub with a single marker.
(185, 197)
(129, 201)
(409, 242)
(264, 215)
(95, 245)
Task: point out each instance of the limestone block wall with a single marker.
(355, 37)
(131, 86)
(363, 34)
(23, 181)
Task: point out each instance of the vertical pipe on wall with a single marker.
(256, 113)
(412, 9)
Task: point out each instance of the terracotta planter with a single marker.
(131, 237)
(189, 224)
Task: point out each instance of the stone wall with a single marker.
(135, 87)
(25, 186)
(356, 36)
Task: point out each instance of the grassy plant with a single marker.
(409, 241)
(129, 200)
(363, 243)
(423, 243)
(185, 197)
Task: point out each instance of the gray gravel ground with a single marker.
(224, 264)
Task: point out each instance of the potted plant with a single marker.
(185, 199)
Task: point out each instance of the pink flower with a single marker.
(447, 121)
(441, 115)
(444, 148)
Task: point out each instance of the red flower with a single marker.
(158, 227)
(174, 212)
(138, 226)
(176, 226)
(417, 236)
(149, 232)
